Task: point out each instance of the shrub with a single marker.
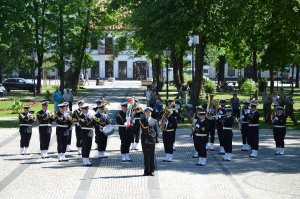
(47, 95)
(241, 81)
(17, 107)
(209, 86)
(249, 87)
(262, 84)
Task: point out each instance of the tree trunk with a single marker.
(174, 60)
(254, 66)
(271, 79)
(61, 45)
(180, 64)
(292, 79)
(199, 68)
(39, 40)
(83, 44)
(221, 69)
(297, 76)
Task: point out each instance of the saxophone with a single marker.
(166, 114)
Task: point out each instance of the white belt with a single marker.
(227, 128)
(253, 124)
(169, 130)
(87, 128)
(44, 124)
(137, 118)
(64, 126)
(25, 124)
(276, 126)
(200, 135)
(120, 125)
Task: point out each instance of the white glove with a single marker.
(242, 117)
(194, 120)
(275, 118)
(208, 110)
(248, 111)
(197, 125)
(167, 122)
(219, 116)
(128, 118)
(133, 121)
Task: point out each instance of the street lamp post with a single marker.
(33, 77)
(167, 54)
(193, 40)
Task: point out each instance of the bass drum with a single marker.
(109, 129)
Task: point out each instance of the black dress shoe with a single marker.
(145, 174)
(195, 156)
(151, 174)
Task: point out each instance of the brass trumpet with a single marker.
(166, 114)
(105, 101)
(138, 109)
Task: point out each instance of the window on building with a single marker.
(108, 45)
(122, 69)
(109, 69)
(231, 72)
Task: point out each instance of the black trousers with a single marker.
(78, 136)
(168, 140)
(200, 145)
(70, 137)
(219, 130)
(253, 137)
(25, 133)
(87, 140)
(244, 132)
(227, 138)
(212, 129)
(236, 113)
(25, 139)
(62, 139)
(136, 135)
(45, 136)
(125, 137)
(148, 151)
(1, 94)
(279, 135)
(101, 140)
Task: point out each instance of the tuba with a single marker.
(166, 114)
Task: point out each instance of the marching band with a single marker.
(135, 124)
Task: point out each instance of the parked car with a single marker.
(17, 84)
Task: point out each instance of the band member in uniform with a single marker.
(98, 103)
(168, 127)
(95, 110)
(125, 132)
(245, 125)
(45, 119)
(26, 120)
(75, 116)
(86, 122)
(63, 123)
(211, 119)
(227, 133)
(200, 135)
(101, 120)
(148, 139)
(174, 111)
(70, 130)
(253, 133)
(279, 130)
(220, 114)
(136, 127)
(195, 119)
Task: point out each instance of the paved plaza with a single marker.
(268, 176)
